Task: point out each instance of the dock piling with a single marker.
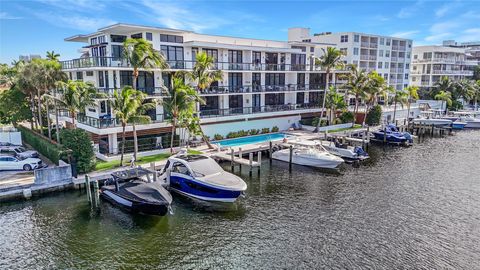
(290, 159)
(270, 151)
(96, 193)
(259, 160)
(87, 187)
(232, 158)
(240, 155)
(250, 162)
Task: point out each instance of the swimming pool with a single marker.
(251, 139)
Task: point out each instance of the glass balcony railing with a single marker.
(259, 109)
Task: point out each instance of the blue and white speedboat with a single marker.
(200, 177)
(393, 135)
(458, 125)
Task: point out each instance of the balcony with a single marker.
(108, 122)
(373, 45)
(364, 44)
(151, 91)
(216, 90)
(90, 62)
(454, 72)
(254, 110)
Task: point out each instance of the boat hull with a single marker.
(473, 124)
(435, 122)
(284, 155)
(458, 125)
(141, 207)
(347, 154)
(199, 190)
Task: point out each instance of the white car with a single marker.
(19, 151)
(13, 163)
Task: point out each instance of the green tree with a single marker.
(374, 88)
(401, 97)
(334, 102)
(476, 73)
(14, 107)
(76, 96)
(81, 145)
(203, 75)
(140, 54)
(356, 83)
(139, 117)
(180, 103)
(412, 95)
(53, 56)
(374, 115)
(444, 84)
(444, 96)
(330, 60)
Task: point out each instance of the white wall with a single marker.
(11, 137)
(282, 123)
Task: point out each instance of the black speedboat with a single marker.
(135, 191)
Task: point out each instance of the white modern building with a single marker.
(472, 49)
(430, 63)
(389, 56)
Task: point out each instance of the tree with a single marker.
(181, 102)
(140, 55)
(204, 75)
(334, 102)
(139, 117)
(53, 56)
(330, 60)
(356, 83)
(401, 97)
(14, 107)
(125, 106)
(444, 84)
(374, 87)
(412, 95)
(374, 115)
(444, 96)
(476, 73)
(76, 96)
(79, 142)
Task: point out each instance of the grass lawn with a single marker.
(345, 129)
(107, 165)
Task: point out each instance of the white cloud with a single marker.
(405, 34)
(76, 5)
(6, 16)
(437, 37)
(409, 11)
(74, 21)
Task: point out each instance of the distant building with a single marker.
(28, 58)
(430, 63)
(472, 49)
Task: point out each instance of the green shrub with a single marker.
(218, 137)
(275, 129)
(41, 144)
(254, 131)
(337, 121)
(347, 117)
(232, 135)
(374, 115)
(265, 130)
(80, 143)
(315, 122)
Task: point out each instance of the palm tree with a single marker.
(125, 105)
(204, 75)
(444, 96)
(330, 60)
(76, 97)
(400, 97)
(444, 84)
(375, 87)
(182, 100)
(140, 54)
(412, 95)
(53, 56)
(334, 102)
(139, 116)
(356, 83)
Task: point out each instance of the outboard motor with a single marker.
(359, 151)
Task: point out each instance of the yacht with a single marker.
(135, 190)
(200, 177)
(309, 153)
(345, 151)
(472, 119)
(392, 135)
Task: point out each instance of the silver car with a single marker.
(13, 163)
(18, 151)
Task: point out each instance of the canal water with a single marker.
(413, 208)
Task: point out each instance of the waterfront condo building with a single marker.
(430, 63)
(389, 56)
(265, 83)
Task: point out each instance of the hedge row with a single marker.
(42, 145)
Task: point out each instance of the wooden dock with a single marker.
(236, 159)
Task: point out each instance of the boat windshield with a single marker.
(203, 167)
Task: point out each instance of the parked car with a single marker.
(13, 163)
(18, 151)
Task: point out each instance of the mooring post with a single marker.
(270, 151)
(240, 155)
(250, 162)
(87, 187)
(259, 160)
(432, 130)
(232, 158)
(96, 193)
(384, 135)
(290, 159)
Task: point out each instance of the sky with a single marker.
(34, 27)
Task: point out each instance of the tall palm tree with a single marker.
(334, 102)
(444, 96)
(76, 97)
(444, 84)
(330, 60)
(356, 83)
(412, 95)
(203, 76)
(375, 87)
(139, 116)
(182, 100)
(401, 97)
(140, 54)
(53, 56)
(125, 106)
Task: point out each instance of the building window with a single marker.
(101, 80)
(415, 56)
(386, 64)
(387, 53)
(101, 39)
(257, 58)
(275, 99)
(212, 53)
(118, 38)
(344, 38)
(406, 76)
(149, 36)
(301, 80)
(89, 73)
(235, 80)
(408, 55)
(298, 61)
(93, 41)
(234, 56)
(385, 76)
(79, 76)
(344, 51)
(139, 35)
(303, 48)
(172, 53)
(407, 66)
(312, 49)
(355, 51)
(356, 38)
(380, 64)
(380, 53)
(388, 42)
(126, 78)
(256, 80)
(171, 38)
(117, 51)
(275, 79)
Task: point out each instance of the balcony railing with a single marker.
(373, 45)
(109, 122)
(151, 91)
(364, 44)
(180, 64)
(455, 72)
(265, 88)
(260, 109)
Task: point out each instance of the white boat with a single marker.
(471, 119)
(309, 153)
(344, 151)
(432, 121)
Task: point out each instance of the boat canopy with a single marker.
(131, 173)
